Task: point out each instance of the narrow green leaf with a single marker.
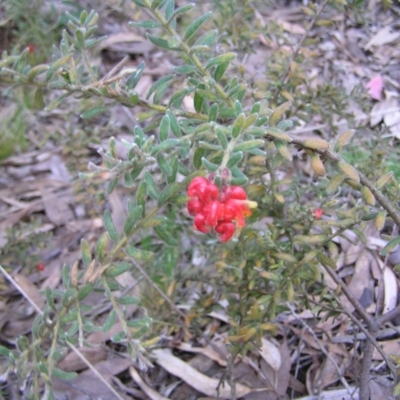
(209, 165)
(117, 269)
(58, 101)
(238, 125)
(163, 164)
(162, 43)
(128, 300)
(238, 177)
(110, 321)
(86, 253)
(142, 255)
(223, 58)
(278, 112)
(63, 375)
(285, 124)
(213, 112)
(198, 100)
(234, 159)
(222, 139)
(50, 299)
(101, 246)
(349, 170)
(145, 24)
(120, 336)
(85, 291)
(57, 64)
(250, 120)
(133, 217)
(255, 109)
(165, 235)
(168, 192)
(135, 77)
(207, 39)
(181, 10)
(185, 69)
(390, 246)
(151, 186)
(249, 145)
(157, 84)
(283, 150)
(238, 107)
(174, 124)
(141, 194)
(164, 128)
(383, 180)
(198, 157)
(195, 25)
(220, 70)
(207, 94)
(94, 111)
(109, 225)
(278, 134)
(165, 145)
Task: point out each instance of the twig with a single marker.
(312, 333)
(299, 45)
(71, 346)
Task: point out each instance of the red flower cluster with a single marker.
(221, 210)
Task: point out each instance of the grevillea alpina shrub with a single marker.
(217, 218)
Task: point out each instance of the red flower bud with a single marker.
(318, 213)
(200, 223)
(194, 207)
(225, 230)
(214, 212)
(40, 267)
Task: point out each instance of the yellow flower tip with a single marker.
(251, 204)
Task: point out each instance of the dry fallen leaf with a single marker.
(195, 379)
(153, 395)
(382, 37)
(271, 354)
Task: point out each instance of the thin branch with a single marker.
(299, 45)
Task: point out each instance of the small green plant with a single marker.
(218, 162)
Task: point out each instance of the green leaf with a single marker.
(238, 177)
(220, 70)
(168, 192)
(165, 145)
(209, 165)
(198, 99)
(110, 321)
(164, 128)
(120, 336)
(101, 246)
(185, 69)
(283, 150)
(133, 217)
(207, 94)
(163, 164)
(255, 109)
(198, 157)
(86, 253)
(207, 39)
(276, 133)
(195, 25)
(165, 235)
(50, 299)
(85, 291)
(238, 105)
(135, 77)
(141, 194)
(181, 10)
(174, 124)
(94, 111)
(238, 125)
(285, 124)
(128, 300)
(278, 112)
(177, 98)
(222, 59)
(63, 375)
(159, 83)
(109, 225)
(249, 145)
(38, 102)
(151, 186)
(117, 269)
(390, 246)
(222, 139)
(145, 24)
(162, 43)
(142, 255)
(234, 159)
(57, 64)
(58, 101)
(213, 112)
